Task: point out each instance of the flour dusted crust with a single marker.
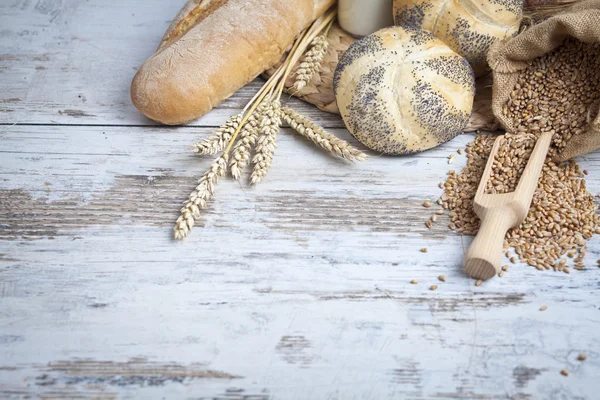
(212, 49)
(469, 27)
(401, 90)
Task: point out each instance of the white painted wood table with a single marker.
(295, 289)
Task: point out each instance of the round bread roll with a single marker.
(401, 90)
(468, 27)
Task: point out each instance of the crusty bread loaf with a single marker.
(468, 27)
(213, 48)
(401, 90)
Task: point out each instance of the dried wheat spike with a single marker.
(217, 142)
(312, 62)
(265, 146)
(241, 151)
(321, 137)
(199, 197)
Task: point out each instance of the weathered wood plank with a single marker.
(71, 62)
(297, 288)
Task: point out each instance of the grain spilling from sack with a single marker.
(561, 218)
(557, 92)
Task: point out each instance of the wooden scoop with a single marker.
(500, 212)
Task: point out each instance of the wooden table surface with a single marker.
(295, 289)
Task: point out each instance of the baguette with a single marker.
(212, 49)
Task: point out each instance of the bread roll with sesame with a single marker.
(469, 27)
(212, 49)
(401, 90)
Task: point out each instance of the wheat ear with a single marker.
(321, 137)
(217, 142)
(312, 62)
(199, 197)
(241, 151)
(269, 126)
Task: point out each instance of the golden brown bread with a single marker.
(194, 12)
(213, 48)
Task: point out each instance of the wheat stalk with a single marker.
(321, 137)
(261, 116)
(312, 62)
(199, 197)
(241, 151)
(265, 147)
(217, 142)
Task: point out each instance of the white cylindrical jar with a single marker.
(363, 17)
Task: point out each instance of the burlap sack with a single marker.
(508, 58)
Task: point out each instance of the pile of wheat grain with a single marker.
(556, 93)
(561, 218)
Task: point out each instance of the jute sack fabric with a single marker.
(507, 59)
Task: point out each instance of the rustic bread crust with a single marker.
(213, 48)
(194, 12)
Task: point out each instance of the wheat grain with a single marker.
(217, 142)
(199, 197)
(561, 218)
(240, 156)
(557, 92)
(509, 163)
(321, 137)
(265, 147)
(311, 64)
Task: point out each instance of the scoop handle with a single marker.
(484, 256)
